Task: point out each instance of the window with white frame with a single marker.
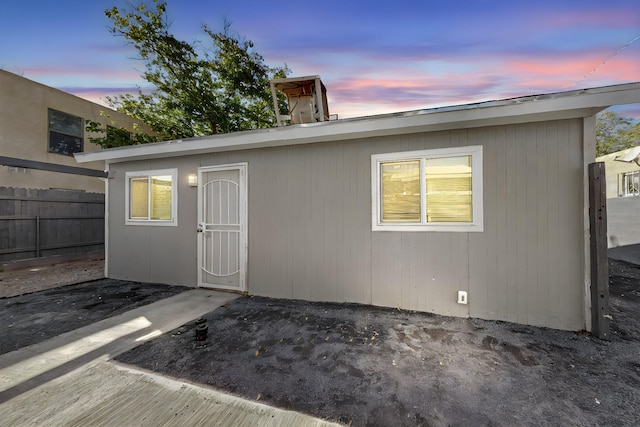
(631, 183)
(428, 190)
(152, 197)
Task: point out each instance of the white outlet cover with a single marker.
(462, 297)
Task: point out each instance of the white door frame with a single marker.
(243, 205)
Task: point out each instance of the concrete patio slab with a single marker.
(26, 368)
(69, 381)
(106, 394)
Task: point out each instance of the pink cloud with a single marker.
(625, 68)
(350, 96)
(551, 67)
(488, 80)
(96, 96)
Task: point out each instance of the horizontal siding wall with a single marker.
(310, 231)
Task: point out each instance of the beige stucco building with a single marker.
(40, 130)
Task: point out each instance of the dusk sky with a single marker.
(373, 57)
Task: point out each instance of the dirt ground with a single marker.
(363, 365)
(64, 300)
(47, 276)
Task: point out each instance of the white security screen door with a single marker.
(222, 227)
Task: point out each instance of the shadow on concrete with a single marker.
(26, 368)
(51, 373)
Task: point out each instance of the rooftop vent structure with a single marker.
(306, 98)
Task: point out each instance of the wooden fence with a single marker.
(41, 223)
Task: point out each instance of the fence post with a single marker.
(37, 236)
(599, 261)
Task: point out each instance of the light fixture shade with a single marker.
(193, 180)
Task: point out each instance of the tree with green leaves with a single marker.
(200, 88)
(615, 132)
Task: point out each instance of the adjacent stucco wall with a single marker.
(623, 213)
(614, 170)
(24, 133)
(310, 228)
(623, 221)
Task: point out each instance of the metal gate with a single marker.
(222, 241)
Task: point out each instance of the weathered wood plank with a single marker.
(599, 262)
(69, 222)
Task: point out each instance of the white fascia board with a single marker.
(295, 79)
(564, 105)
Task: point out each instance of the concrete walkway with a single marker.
(70, 380)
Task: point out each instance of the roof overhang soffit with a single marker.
(570, 105)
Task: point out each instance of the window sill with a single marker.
(152, 223)
(431, 228)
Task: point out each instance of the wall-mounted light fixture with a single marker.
(193, 180)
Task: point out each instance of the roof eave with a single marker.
(564, 105)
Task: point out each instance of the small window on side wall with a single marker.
(152, 197)
(65, 133)
(428, 190)
(631, 183)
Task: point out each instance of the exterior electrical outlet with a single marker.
(462, 297)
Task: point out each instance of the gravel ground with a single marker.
(33, 279)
